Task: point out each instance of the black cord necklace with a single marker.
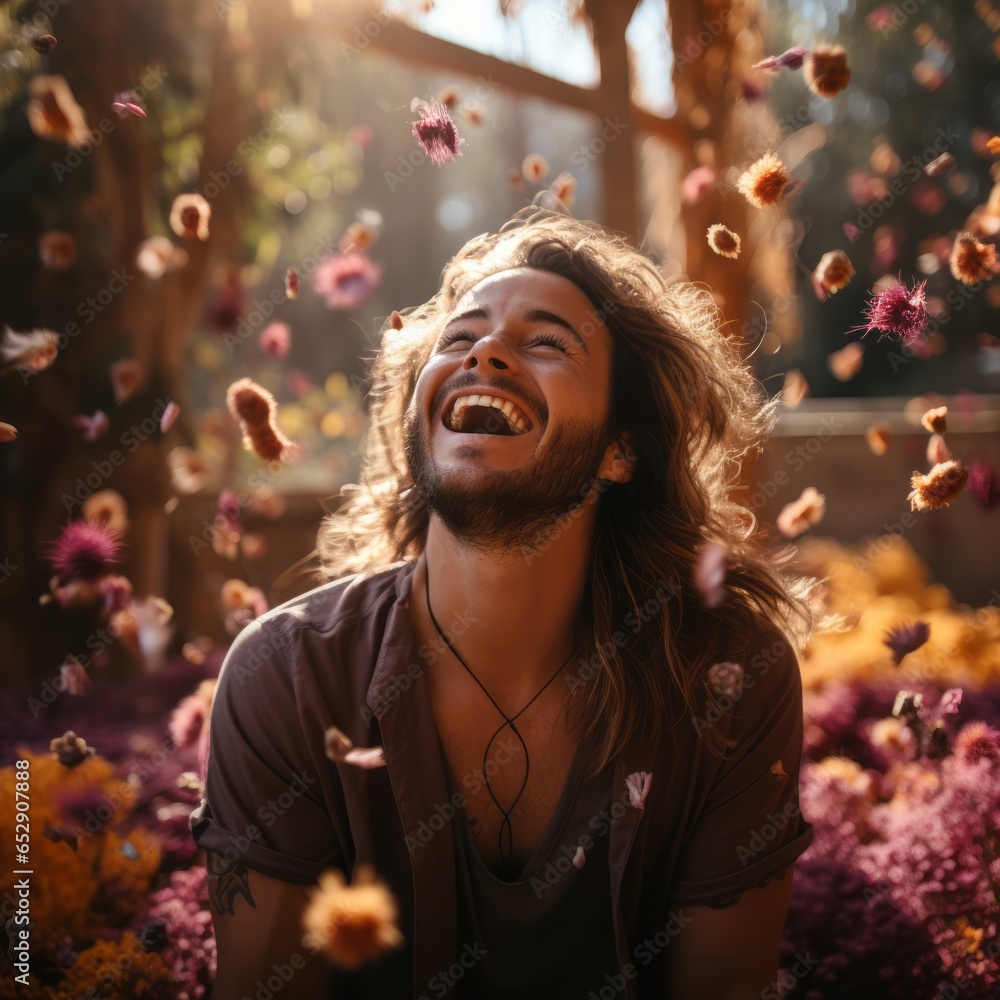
(506, 836)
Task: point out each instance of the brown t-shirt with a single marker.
(707, 830)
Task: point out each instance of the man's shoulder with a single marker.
(328, 606)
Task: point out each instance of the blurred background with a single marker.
(171, 171)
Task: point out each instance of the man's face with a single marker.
(533, 339)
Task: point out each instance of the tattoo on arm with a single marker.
(226, 881)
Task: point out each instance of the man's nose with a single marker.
(490, 351)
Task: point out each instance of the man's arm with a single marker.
(730, 954)
(258, 931)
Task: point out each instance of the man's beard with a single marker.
(516, 510)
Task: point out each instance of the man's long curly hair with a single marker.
(693, 410)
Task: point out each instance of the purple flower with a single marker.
(84, 551)
(982, 484)
(898, 310)
(790, 59)
(904, 639)
(346, 280)
(436, 133)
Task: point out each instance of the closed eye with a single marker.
(454, 336)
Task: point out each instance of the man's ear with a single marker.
(620, 460)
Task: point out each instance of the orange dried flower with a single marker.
(972, 261)
(826, 70)
(54, 114)
(846, 363)
(564, 188)
(292, 283)
(877, 437)
(937, 450)
(57, 250)
(935, 420)
(256, 410)
(794, 389)
(7, 432)
(352, 924)
(833, 271)
(940, 165)
(125, 377)
(723, 241)
(157, 256)
(189, 216)
(801, 514)
(993, 145)
(449, 97)
(762, 183)
(359, 236)
(534, 168)
(108, 509)
(939, 487)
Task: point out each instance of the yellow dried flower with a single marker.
(877, 437)
(723, 241)
(939, 487)
(972, 261)
(762, 183)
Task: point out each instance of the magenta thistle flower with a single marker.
(900, 311)
(982, 484)
(346, 280)
(905, 639)
(790, 59)
(437, 134)
(84, 551)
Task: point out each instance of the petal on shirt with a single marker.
(366, 757)
(580, 857)
(341, 750)
(638, 787)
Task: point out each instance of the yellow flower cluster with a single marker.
(115, 969)
(104, 882)
(880, 585)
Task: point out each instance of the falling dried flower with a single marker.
(982, 484)
(346, 281)
(723, 241)
(937, 450)
(358, 236)
(93, 427)
(710, 574)
(826, 70)
(8, 432)
(54, 114)
(108, 509)
(898, 310)
(128, 103)
(188, 719)
(579, 857)
(449, 97)
(801, 514)
(563, 189)
(43, 44)
(993, 144)
(436, 133)
(726, 679)
(158, 256)
(170, 413)
(31, 351)
(189, 471)
(939, 487)
(976, 741)
(638, 784)
(276, 339)
(341, 750)
(790, 59)
(71, 749)
(877, 438)
(940, 166)
(150, 625)
(292, 283)
(972, 261)
(794, 389)
(125, 377)
(762, 183)
(846, 363)
(84, 551)
(935, 420)
(256, 411)
(697, 184)
(351, 924)
(474, 112)
(534, 168)
(778, 769)
(833, 271)
(115, 592)
(74, 677)
(189, 216)
(906, 638)
(57, 250)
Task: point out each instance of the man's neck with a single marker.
(512, 619)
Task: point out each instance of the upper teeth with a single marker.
(515, 418)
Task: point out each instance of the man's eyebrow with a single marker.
(532, 316)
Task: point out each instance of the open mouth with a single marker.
(477, 414)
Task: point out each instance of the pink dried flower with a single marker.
(710, 574)
(898, 310)
(794, 389)
(157, 256)
(226, 305)
(790, 59)
(170, 413)
(74, 676)
(697, 184)
(125, 377)
(801, 514)
(84, 551)
(189, 216)
(982, 484)
(881, 18)
(726, 679)
(904, 639)
(723, 241)
(937, 450)
(128, 103)
(43, 44)
(30, 352)
(116, 593)
(276, 339)
(108, 509)
(579, 857)
(189, 717)
(437, 134)
(341, 750)
(535, 168)
(257, 413)
(345, 281)
(977, 741)
(939, 487)
(57, 250)
(940, 165)
(638, 784)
